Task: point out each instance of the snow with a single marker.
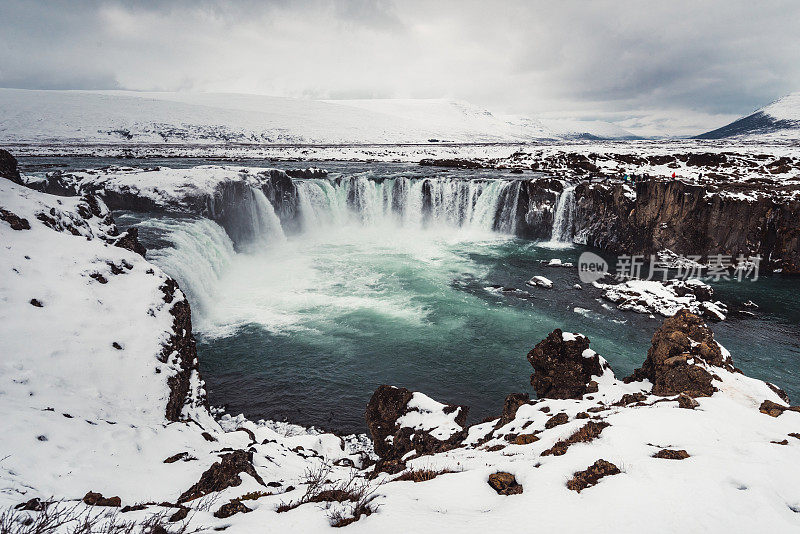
(424, 413)
(654, 296)
(578, 128)
(540, 281)
(129, 117)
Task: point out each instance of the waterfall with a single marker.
(266, 224)
(252, 223)
(563, 217)
(197, 252)
(409, 203)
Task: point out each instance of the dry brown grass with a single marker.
(421, 475)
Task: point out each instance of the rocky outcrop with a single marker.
(401, 421)
(563, 366)
(690, 220)
(181, 351)
(223, 474)
(8, 167)
(682, 350)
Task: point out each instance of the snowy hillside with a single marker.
(780, 120)
(578, 129)
(134, 118)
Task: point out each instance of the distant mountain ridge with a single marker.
(127, 117)
(778, 120)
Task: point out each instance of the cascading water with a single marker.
(410, 202)
(564, 215)
(195, 251)
(251, 222)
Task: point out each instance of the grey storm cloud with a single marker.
(685, 62)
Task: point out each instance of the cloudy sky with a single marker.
(653, 67)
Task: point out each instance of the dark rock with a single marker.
(130, 241)
(134, 508)
(587, 432)
(630, 398)
(231, 508)
(16, 222)
(526, 439)
(180, 456)
(36, 302)
(387, 405)
(97, 499)
(671, 454)
(182, 348)
(560, 370)
(680, 340)
(592, 475)
(33, 505)
(180, 515)
(223, 474)
(686, 402)
(556, 420)
(510, 407)
(773, 409)
(778, 391)
(504, 483)
(208, 437)
(8, 167)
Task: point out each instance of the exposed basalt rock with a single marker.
(587, 432)
(510, 407)
(231, 508)
(690, 220)
(556, 420)
(393, 441)
(504, 483)
(8, 167)
(592, 475)
(97, 499)
(33, 505)
(130, 241)
(16, 222)
(561, 371)
(181, 350)
(773, 409)
(671, 454)
(678, 347)
(223, 474)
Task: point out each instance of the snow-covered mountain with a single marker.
(579, 129)
(778, 120)
(127, 117)
(124, 116)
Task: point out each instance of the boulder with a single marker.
(401, 421)
(504, 483)
(679, 346)
(563, 366)
(223, 474)
(97, 499)
(231, 508)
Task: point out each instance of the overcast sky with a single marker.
(661, 67)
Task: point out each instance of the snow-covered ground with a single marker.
(83, 390)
